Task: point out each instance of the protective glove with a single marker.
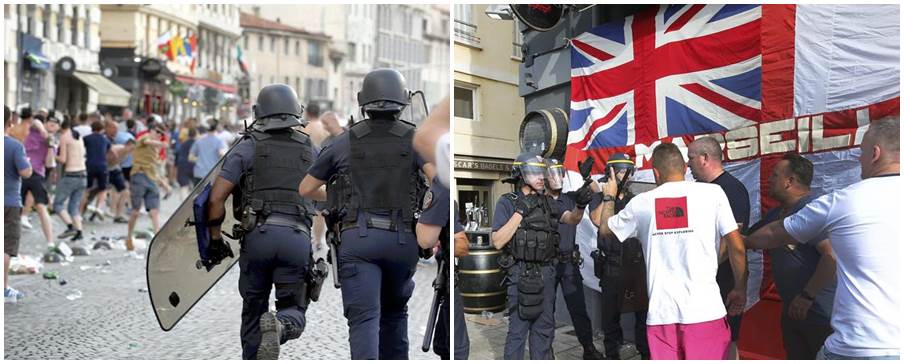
(218, 250)
(583, 196)
(524, 205)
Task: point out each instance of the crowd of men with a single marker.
(89, 168)
(833, 256)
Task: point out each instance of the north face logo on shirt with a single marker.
(671, 213)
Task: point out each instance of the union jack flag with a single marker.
(670, 71)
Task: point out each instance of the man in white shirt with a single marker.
(680, 225)
(863, 223)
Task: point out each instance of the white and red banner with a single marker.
(763, 79)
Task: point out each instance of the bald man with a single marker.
(680, 225)
(862, 221)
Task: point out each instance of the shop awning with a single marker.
(108, 92)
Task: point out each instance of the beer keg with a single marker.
(480, 276)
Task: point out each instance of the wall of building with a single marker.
(486, 144)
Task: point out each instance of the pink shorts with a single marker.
(702, 340)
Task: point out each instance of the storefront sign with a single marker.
(485, 166)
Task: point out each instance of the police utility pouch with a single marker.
(530, 295)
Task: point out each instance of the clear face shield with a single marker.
(533, 173)
(555, 175)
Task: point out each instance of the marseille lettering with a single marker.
(808, 134)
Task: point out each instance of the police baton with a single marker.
(332, 240)
(439, 285)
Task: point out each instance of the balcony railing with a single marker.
(466, 33)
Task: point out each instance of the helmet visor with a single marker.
(532, 170)
(555, 176)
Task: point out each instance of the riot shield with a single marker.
(416, 112)
(176, 280)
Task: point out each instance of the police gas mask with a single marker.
(555, 175)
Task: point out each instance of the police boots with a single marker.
(590, 353)
(275, 332)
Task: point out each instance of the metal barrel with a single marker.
(480, 276)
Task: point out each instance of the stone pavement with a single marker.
(113, 318)
(487, 336)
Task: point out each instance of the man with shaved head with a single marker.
(863, 223)
(680, 225)
(704, 157)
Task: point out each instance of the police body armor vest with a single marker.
(281, 159)
(537, 237)
(381, 174)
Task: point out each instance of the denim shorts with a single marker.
(71, 186)
(144, 190)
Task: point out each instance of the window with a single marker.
(315, 54)
(286, 45)
(273, 43)
(297, 84)
(287, 80)
(74, 25)
(351, 52)
(464, 102)
(45, 21)
(86, 29)
(61, 26)
(260, 42)
(297, 47)
(465, 25)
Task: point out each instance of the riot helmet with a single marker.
(555, 174)
(383, 92)
(277, 107)
(624, 169)
(529, 169)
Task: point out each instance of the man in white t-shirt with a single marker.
(680, 225)
(864, 225)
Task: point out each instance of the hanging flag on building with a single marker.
(191, 47)
(239, 56)
(764, 80)
(164, 45)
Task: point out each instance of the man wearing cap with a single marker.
(568, 267)
(525, 225)
(621, 268)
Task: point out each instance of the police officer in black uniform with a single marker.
(568, 268)
(372, 171)
(622, 272)
(433, 227)
(262, 172)
(525, 225)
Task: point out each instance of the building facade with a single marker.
(130, 52)
(435, 73)
(280, 53)
(51, 59)
(487, 109)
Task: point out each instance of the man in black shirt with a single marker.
(705, 161)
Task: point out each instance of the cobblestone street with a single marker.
(113, 318)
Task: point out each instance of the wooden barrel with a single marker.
(480, 276)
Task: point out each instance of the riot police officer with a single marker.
(525, 225)
(568, 271)
(433, 227)
(620, 267)
(264, 168)
(373, 178)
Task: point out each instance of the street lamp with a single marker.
(499, 12)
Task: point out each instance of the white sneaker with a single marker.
(25, 223)
(11, 295)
